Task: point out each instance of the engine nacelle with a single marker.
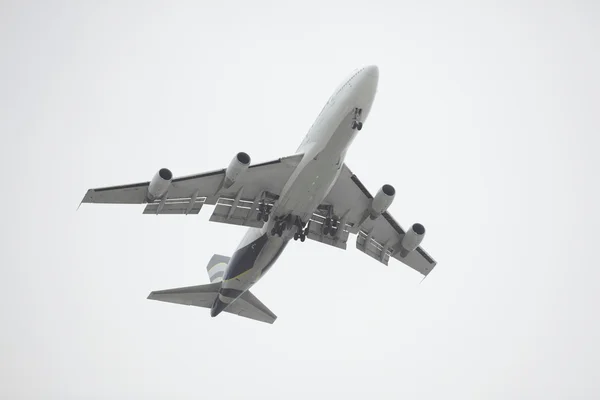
(412, 239)
(382, 200)
(237, 167)
(159, 184)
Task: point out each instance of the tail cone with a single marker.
(217, 307)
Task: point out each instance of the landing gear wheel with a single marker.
(356, 124)
(296, 236)
(334, 227)
(265, 217)
(273, 231)
(302, 238)
(259, 216)
(325, 229)
(280, 229)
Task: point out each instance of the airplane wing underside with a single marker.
(236, 205)
(379, 238)
(262, 183)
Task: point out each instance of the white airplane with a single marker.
(311, 194)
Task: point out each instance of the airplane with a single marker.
(311, 194)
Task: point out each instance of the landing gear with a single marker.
(301, 231)
(290, 222)
(330, 226)
(278, 228)
(356, 123)
(264, 210)
(281, 225)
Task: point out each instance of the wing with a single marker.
(379, 238)
(237, 204)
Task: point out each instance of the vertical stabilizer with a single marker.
(216, 267)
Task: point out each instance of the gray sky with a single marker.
(486, 122)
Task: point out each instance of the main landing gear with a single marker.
(331, 223)
(264, 210)
(330, 226)
(301, 231)
(356, 123)
(281, 225)
(290, 222)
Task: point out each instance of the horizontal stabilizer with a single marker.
(247, 305)
(199, 296)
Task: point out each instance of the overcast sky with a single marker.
(486, 121)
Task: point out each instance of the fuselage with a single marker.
(324, 149)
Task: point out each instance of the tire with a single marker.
(265, 217)
(302, 238)
(325, 229)
(259, 216)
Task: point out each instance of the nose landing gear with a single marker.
(356, 123)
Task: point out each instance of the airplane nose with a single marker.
(367, 81)
(372, 71)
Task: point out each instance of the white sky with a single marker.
(486, 122)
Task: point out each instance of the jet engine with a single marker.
(412, 239)
(382, 200)
(236, 167)
(159, 184)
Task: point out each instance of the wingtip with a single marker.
(87, 196)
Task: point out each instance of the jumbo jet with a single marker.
(311, 194)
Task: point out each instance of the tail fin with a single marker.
(216, 267)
